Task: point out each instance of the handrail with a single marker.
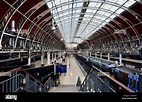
(21, 69)
(18, 85)
(5, 73)
(115, 81)
(36, 67)
(110, 78)
(87, 75)
(47, 81)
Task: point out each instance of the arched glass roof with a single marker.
(79, 19)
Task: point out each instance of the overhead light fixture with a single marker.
(61, 39)
(13, 26)
(53, 26)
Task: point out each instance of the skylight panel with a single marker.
(49, 4)
(129, 3)
(113, 8)
(98, 4)
(72, 22)
(107, 20)
(121, 1)
(59, 9)
(101, 12)
(89, 10)
(63, 1)
(112, 16)
(65, 7)
(93, 4)
(94, 11)
(107, 14)
(79, 4)
(111, 0)
(106, 6)
(119, 11)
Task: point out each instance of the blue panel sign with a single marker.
(117, 70)
(107, 66)
(61, 68)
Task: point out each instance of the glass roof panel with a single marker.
(82, 19)
(98, 4)
(129, 3)
(119, 11)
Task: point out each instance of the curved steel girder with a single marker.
(45, 20)
(87, 13)
(50, 32)
(106, 2)
(40, 24)
(12, 11)
(35, 20)
(116, 22)
(79, 1)
(22, 23)
(109, 32)
(120, 26)
(92, 8)
(120, 35)
(130, 26)
(37, 31)
(132, 12)
(44, 38)
(105, 10)
(38, 18)
(96, 36)
(30, 20)
(107, 35)
(6, 17)
(45, 34)
(47, 29)
(102, 36)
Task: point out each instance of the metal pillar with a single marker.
(42, 57)
(55, 56)
(101, 55)
(95, 54)
(29, 57)
(120, 58)
(90, 53)
(108, 57)
(48, 58)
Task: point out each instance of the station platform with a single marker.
(69, 79)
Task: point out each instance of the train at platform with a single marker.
(128, 76)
